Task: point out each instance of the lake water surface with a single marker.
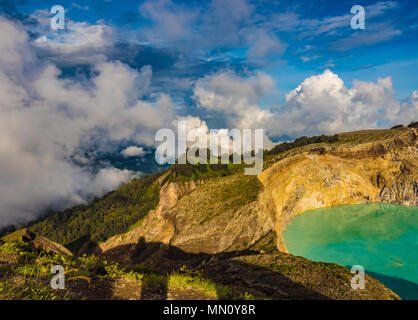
(382, 238)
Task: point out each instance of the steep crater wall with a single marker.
(384, 171)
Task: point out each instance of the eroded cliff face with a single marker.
(157, 227)
(317, 177)
(222, 215)
(206, 217)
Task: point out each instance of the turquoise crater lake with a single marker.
(383, 238)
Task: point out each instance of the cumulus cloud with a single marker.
(195, 133)
(133, 151)
(235, 97)
(323, 104)
(78, 36)
(235, 100)
(320, 104)
(46, 121)
(407, 111)
(197, 129)
(80, 43)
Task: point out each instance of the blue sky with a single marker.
(80, 107)
(312, 35)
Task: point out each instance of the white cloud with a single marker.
(322, 104)
(80, 42)
(408, 110)
(14, 48)
(263, 44)
(236, 100)
(133, 151)
(236, 97)
(198, 134)
(45, 121)
(171, 22)
(201, 129)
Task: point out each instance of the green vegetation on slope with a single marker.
(413, 124)
(112, 214)
(25, 274)
(365, 136)
(188, 172)
(302, 141)
(229, 195)
(15, 236)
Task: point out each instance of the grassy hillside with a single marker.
(299, 142)
(364, 136)
(25, 274)
(104, 217)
